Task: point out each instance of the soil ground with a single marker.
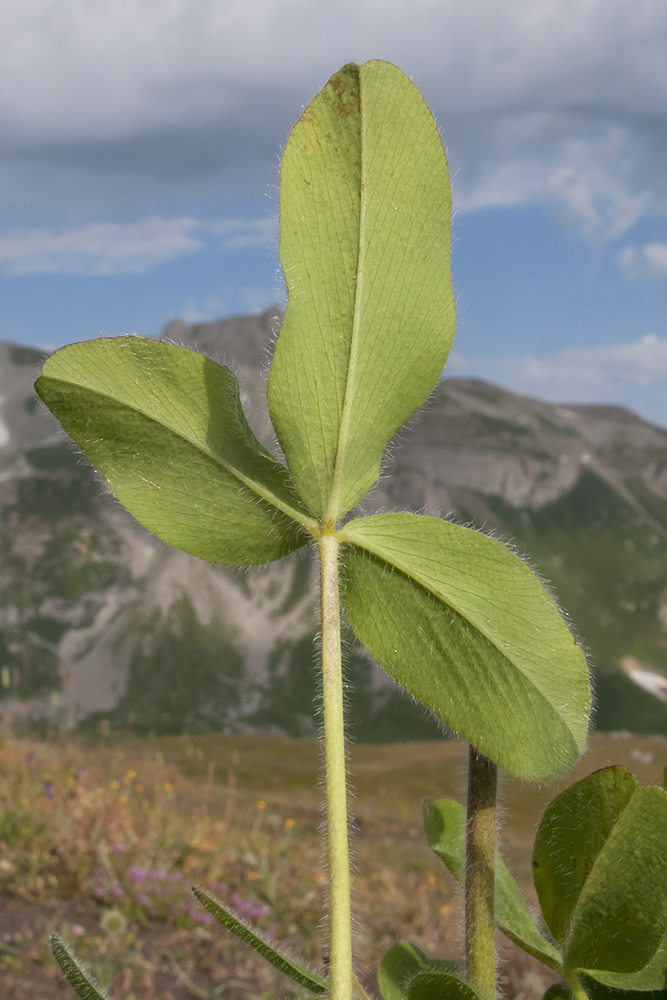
(123, 825)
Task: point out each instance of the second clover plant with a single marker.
(451, 614)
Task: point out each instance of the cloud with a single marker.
(583, 165)
(649, 261)
(91, 69)
(108, 248)
(239, 234)
(101, 248)
(633, 374)
(542, 100)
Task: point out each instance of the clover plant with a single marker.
(450, 613)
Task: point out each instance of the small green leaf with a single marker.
(600, 991)
(573, 830)
(652, 977)
(281, 962)
(469, 630)
(600, 872)
(165, 427)
(400, 964)
(440, 985)
(364, 243)
(445, 826)
(81, 981)
(621, 915)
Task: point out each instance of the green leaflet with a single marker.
(468, 629)
(600, 873)
(652, 977)
(281, 962)
(81, 981)
(445, 827)
(165, 427)
(364, 244)
(440, 985)
(572, 832)
(402, 963)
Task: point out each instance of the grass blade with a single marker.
(79, 979)
(263, 948)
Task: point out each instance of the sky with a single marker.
(140, 143)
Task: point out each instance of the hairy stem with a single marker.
(578, 991)
(340, 921)
(480, 872)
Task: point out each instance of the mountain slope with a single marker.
(100, 620)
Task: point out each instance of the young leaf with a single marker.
(281, 962)
(573, 830)
(165, 427)
(653, 978)
(600, 872)
(440, 985)
(400, 964)
(81, 981)
(364, 244)
(445, 826)
(650, 983)
(469, 630)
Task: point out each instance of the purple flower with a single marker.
(246, 908)
(47, 788)
(80, 771)
(142, 898)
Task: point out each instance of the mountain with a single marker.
(101, 621)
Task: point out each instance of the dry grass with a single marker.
(127, 825)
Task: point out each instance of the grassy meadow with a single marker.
(101, 839)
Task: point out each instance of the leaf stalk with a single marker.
(340, 920)
(480, 872)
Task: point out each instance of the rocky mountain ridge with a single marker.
(100, 620)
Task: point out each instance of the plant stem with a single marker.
(480, 872)
(340, 920)
(578, 991)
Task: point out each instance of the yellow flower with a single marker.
(138, 788)
(289, 823)
(169, 787)
(261, 804)
(113, 784)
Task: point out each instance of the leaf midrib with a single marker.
(265, 494)
(347, 534)
(333, 512)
